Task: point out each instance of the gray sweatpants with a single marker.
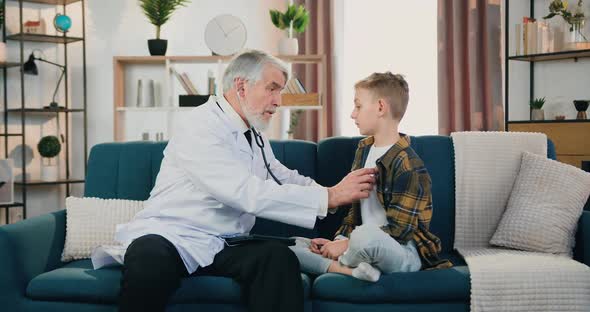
(368, 243)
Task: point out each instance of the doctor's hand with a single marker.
(356, 185)
(333, 250)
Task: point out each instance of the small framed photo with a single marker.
(6, 182)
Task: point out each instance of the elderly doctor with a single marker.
(213, 183)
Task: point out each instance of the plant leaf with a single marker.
(291, 10)
(299, 13)
(159, 12)
(300, 24)
(286, 21)
(294, 13)
(274, 17)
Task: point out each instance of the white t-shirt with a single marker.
(372, 211)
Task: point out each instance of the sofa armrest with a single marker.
(582, 248)
(27, 249)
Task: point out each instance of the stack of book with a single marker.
(294, 94)
(294, 86)
(536, 37)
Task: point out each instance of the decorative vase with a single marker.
(288, 46)
(157, 46)
(49, 173)
(581, 107)
(537, 114)
(575, 39)
(145, 93)
(2, 52)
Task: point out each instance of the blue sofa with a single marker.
(32, 277)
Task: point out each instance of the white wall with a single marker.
(381, 35)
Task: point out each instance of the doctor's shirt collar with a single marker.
(234, 117)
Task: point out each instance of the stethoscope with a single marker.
(260, 143)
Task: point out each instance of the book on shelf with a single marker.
(517, 39)
(289, 86)
(189, 83)
(182, 82)
(536, 37)
(300, 86)
(294, 86)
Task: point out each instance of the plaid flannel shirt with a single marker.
(404, 190)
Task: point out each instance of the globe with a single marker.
(62, 23)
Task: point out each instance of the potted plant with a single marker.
(295, 116)
(537, 112)
(158, 13)
(48, 148)
(296, 18)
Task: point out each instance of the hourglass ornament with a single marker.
(581, 107)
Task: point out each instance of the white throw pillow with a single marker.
(546, 202)
(91, 222)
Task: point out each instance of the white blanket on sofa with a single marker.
(486, 166)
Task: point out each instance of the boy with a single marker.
(388, 231)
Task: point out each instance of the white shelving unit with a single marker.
(130, 121)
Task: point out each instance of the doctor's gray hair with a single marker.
(248, 65)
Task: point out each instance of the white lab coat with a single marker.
(212, 184)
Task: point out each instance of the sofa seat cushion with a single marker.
(78, 282)
(447, 285)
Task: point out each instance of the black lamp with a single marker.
(30, 68)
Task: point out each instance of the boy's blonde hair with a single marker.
(393, 88)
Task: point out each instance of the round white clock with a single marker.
(225, 34)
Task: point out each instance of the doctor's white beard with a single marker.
(253, 118)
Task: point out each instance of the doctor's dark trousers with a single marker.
(267, 272)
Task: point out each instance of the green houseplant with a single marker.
(537, 112)
(295, 116)
(158, 13)
(294, 19)
(49, 147)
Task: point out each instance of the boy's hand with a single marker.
(356, 185)
(333, 250)
(317, 243)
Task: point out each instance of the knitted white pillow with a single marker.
(544, 207)
(91, 222)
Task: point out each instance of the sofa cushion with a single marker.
(334, 160)
(295, 155)
(78, 282)
(438, 156)
(91, 223)
(417, 287)
(123, 170)
(544, 207)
